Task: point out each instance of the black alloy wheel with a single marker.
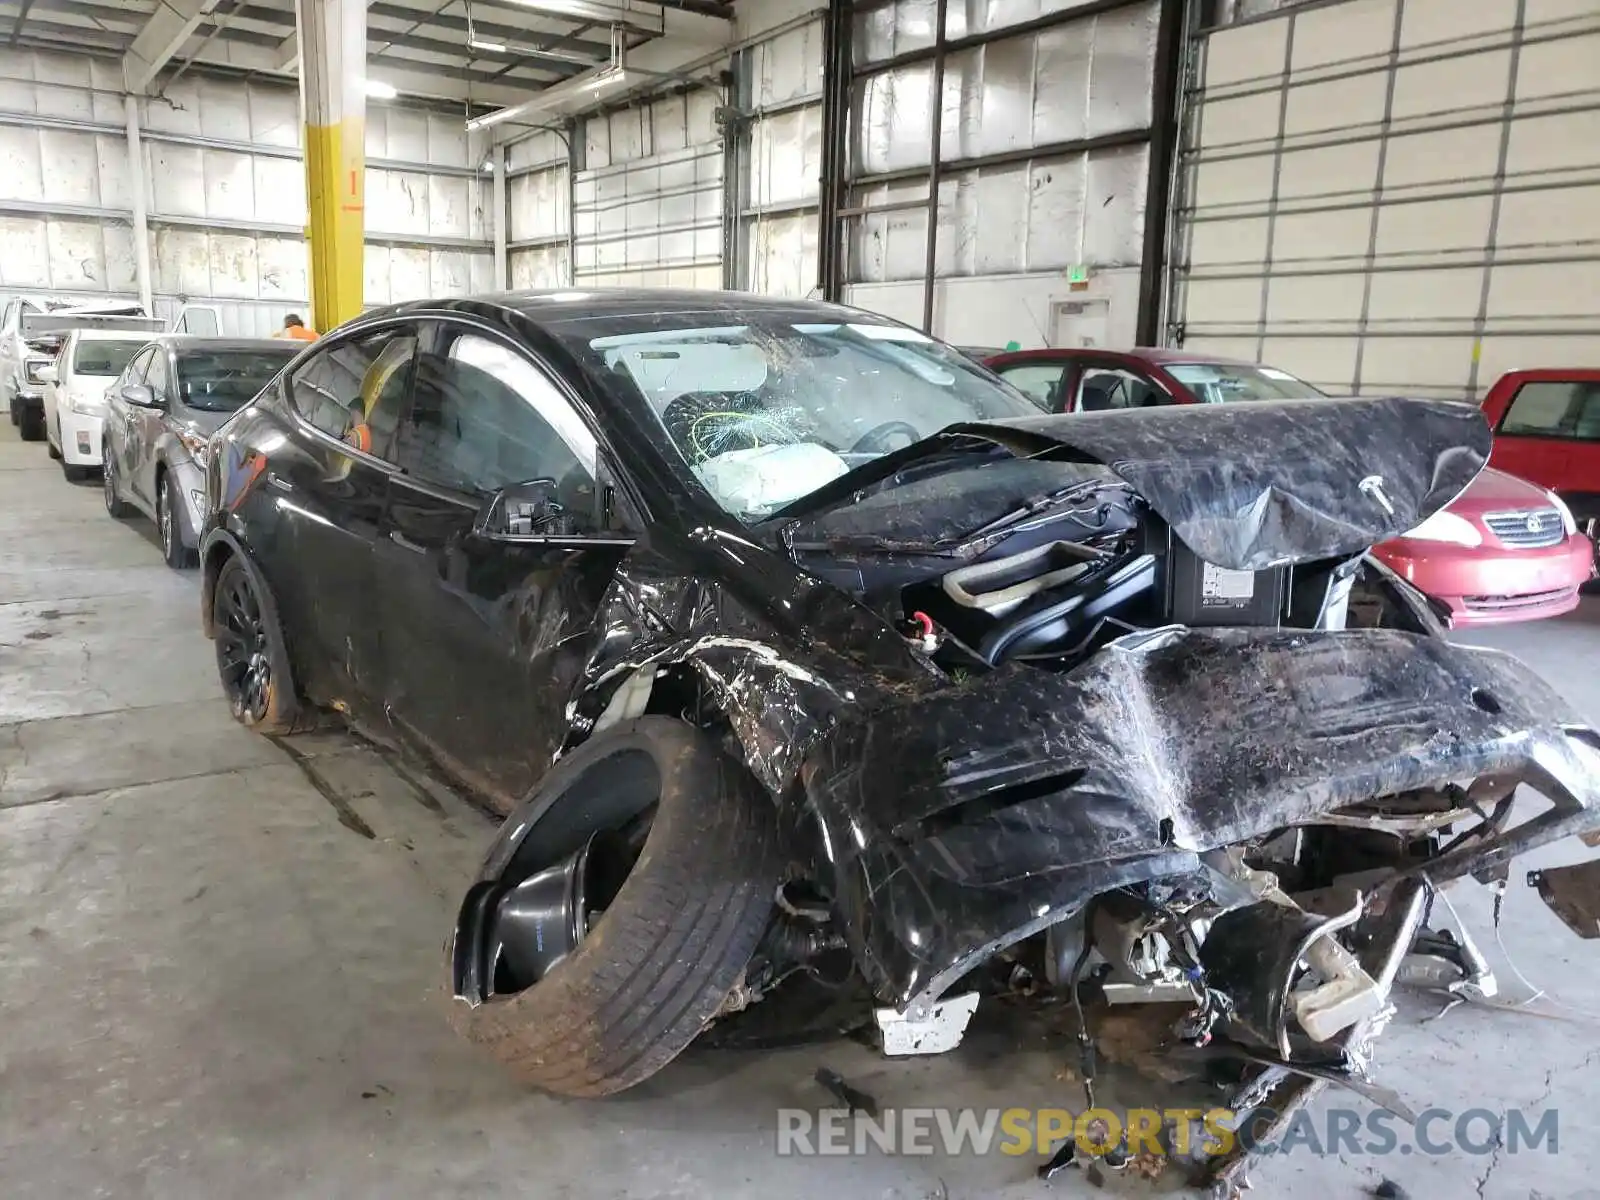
(251, 658)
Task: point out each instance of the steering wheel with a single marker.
(873, 439)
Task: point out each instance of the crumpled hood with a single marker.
(1256, 485)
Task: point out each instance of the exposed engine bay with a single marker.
(1060, 576)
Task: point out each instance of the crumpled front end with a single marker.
(962, 821)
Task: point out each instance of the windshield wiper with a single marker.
(1041, 503)
(968, 544)
(958, 448)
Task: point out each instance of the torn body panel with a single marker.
(964, 820)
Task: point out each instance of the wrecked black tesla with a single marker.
(783, 634)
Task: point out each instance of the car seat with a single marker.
(1096, 395)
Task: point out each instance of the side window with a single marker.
(355, 391)
(155, 373)
(1101, 388)
(1547, 409)
(11, 316)
(1040, 382)
(484, 417)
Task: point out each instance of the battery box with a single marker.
(1200, 593)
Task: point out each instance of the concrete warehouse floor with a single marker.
(214, 983)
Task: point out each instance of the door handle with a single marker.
(405, 543)
(279, 482)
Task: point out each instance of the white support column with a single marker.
(502, 217)
(141, 223)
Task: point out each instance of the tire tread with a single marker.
(664, 956)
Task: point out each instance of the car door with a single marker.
(55, 390)
(487, 638)
(10, 340)
(328, 487)
(120, 423)
(145, 427)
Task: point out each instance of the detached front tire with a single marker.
(667, 943)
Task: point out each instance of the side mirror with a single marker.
(140, 395)
(48, 374)
(529, 509)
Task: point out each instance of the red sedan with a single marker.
(1503, 550)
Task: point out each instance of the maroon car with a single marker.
(1504, 550)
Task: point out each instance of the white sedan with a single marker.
(90, 361)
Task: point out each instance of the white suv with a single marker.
(91, 360)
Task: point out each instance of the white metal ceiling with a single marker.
(515, 50)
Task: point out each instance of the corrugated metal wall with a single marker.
(1009, 230)
(647, 201)
(783, 83)
(1396, 195)
(539, 197)
(650, 204)
(226, 193)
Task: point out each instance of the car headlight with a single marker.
(32, 366)
(1560, 505)
(198, 447)
(1447, 527)
(86, 406)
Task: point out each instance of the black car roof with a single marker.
(564, 306)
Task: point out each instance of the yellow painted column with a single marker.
(333, 92)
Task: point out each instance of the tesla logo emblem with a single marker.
(1372, 488)
(1535, 523)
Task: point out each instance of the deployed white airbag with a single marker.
(764, 478)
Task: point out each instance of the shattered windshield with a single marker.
(1221, 383)
(764, 414)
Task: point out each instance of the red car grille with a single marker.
(1530, 529)
(1506, 603)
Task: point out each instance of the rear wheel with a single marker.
(604, 963)
(252, 658)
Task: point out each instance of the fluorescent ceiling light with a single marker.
(580, 89)
(379, 90)
(649, 19)
(489, 46)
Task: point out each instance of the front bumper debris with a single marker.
(958, 822)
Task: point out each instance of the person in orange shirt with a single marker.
(294, 327)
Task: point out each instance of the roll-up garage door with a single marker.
(1394, 195)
